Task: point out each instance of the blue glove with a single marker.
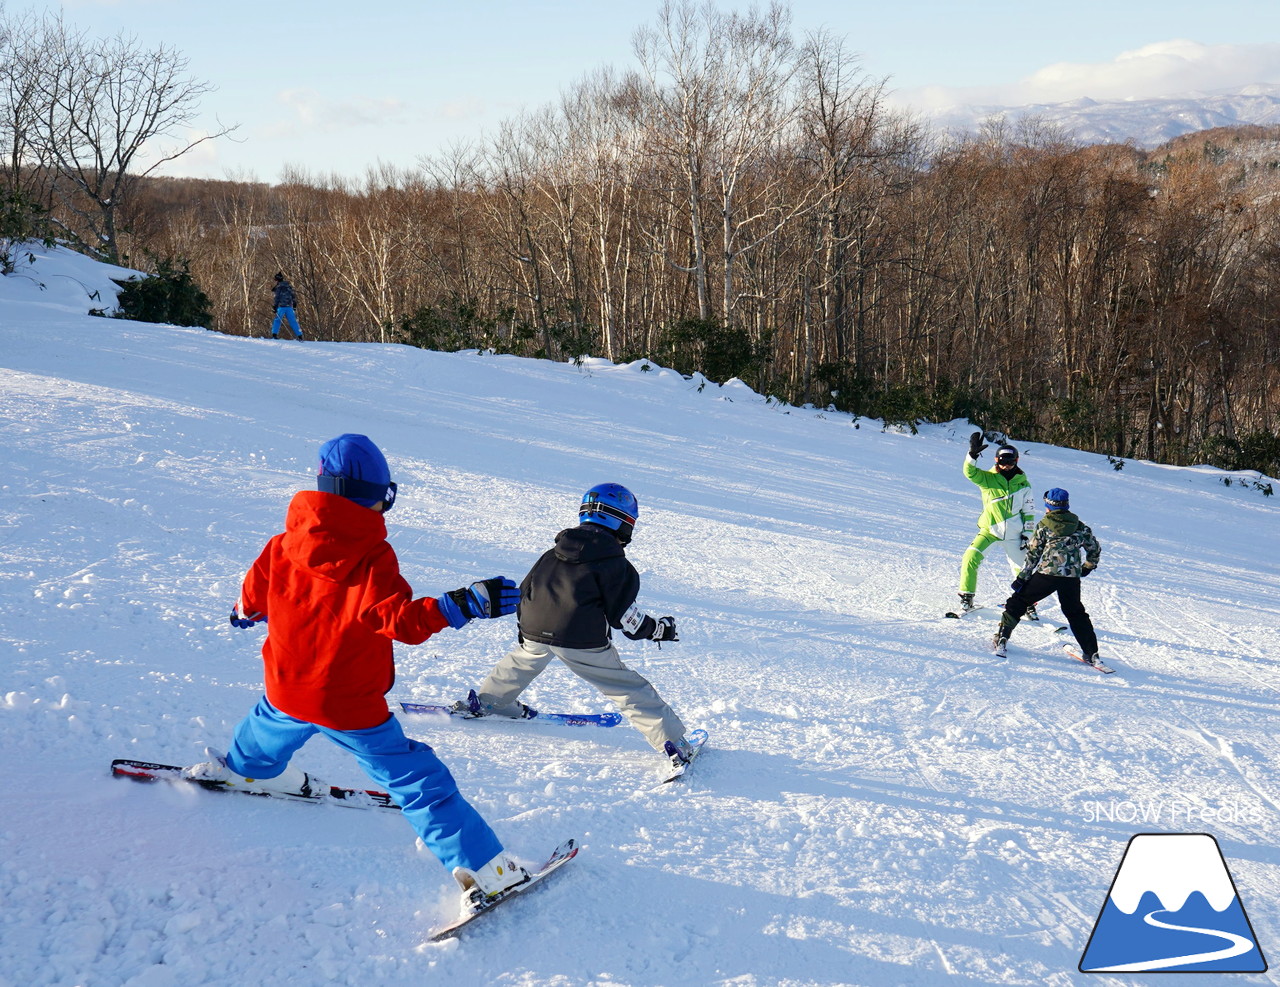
(242, 621)
(1018, 583)
(494, 597)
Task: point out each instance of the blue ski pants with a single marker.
(408, 769)
(282, 313)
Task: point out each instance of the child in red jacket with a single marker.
(330, 588)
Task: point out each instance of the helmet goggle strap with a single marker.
(608, 510)
(345, 486)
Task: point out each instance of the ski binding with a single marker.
(671, 772)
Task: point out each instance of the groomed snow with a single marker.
(882, 802)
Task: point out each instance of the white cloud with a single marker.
(462, 109)
(1164, 68)
(308, 113)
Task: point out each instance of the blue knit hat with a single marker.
(353, 467)
(1057, 499)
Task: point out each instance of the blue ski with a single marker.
(565, 719)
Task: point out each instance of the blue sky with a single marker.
(340, 86)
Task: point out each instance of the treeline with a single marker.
(743, 204)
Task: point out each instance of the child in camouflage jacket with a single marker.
(1055, 565)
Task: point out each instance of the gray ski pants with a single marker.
(602, 667)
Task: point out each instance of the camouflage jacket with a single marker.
(282, 295)
(1056, 546)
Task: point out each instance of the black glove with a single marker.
(1024, 540)
(976, 445)
(1086, 569)
(494, 597)
(664, 629)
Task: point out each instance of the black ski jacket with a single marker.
(580, 589)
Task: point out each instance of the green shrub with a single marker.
(21, 220)
(170, 296)
(718, 352)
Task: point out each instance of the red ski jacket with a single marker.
(331, 590)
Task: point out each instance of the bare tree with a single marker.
(724, 112)
(113, 112)
(22, 53)
(603, 113)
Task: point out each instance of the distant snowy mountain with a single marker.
(1147, 122)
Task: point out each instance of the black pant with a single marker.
(1036, 589)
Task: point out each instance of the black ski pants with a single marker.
(1037, 588)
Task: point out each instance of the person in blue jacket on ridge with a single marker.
(284, 300)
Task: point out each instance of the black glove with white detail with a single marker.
(664, 629)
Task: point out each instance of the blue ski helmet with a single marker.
(352, 466)
(1056, 499)
(611, 506)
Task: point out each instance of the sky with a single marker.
(335, 87)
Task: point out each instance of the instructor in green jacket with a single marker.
(1008, 515)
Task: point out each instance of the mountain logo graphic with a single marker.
(1172, 908)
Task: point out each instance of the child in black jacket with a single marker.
(571, 598)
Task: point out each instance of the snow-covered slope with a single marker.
(1147, 122)
(881, 802)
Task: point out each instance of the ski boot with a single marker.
(999, 645)
(966, 602)
(482, 885)
(291, 781)
(1031, 613)
(678, 752)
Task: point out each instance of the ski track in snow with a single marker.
(882, 801)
